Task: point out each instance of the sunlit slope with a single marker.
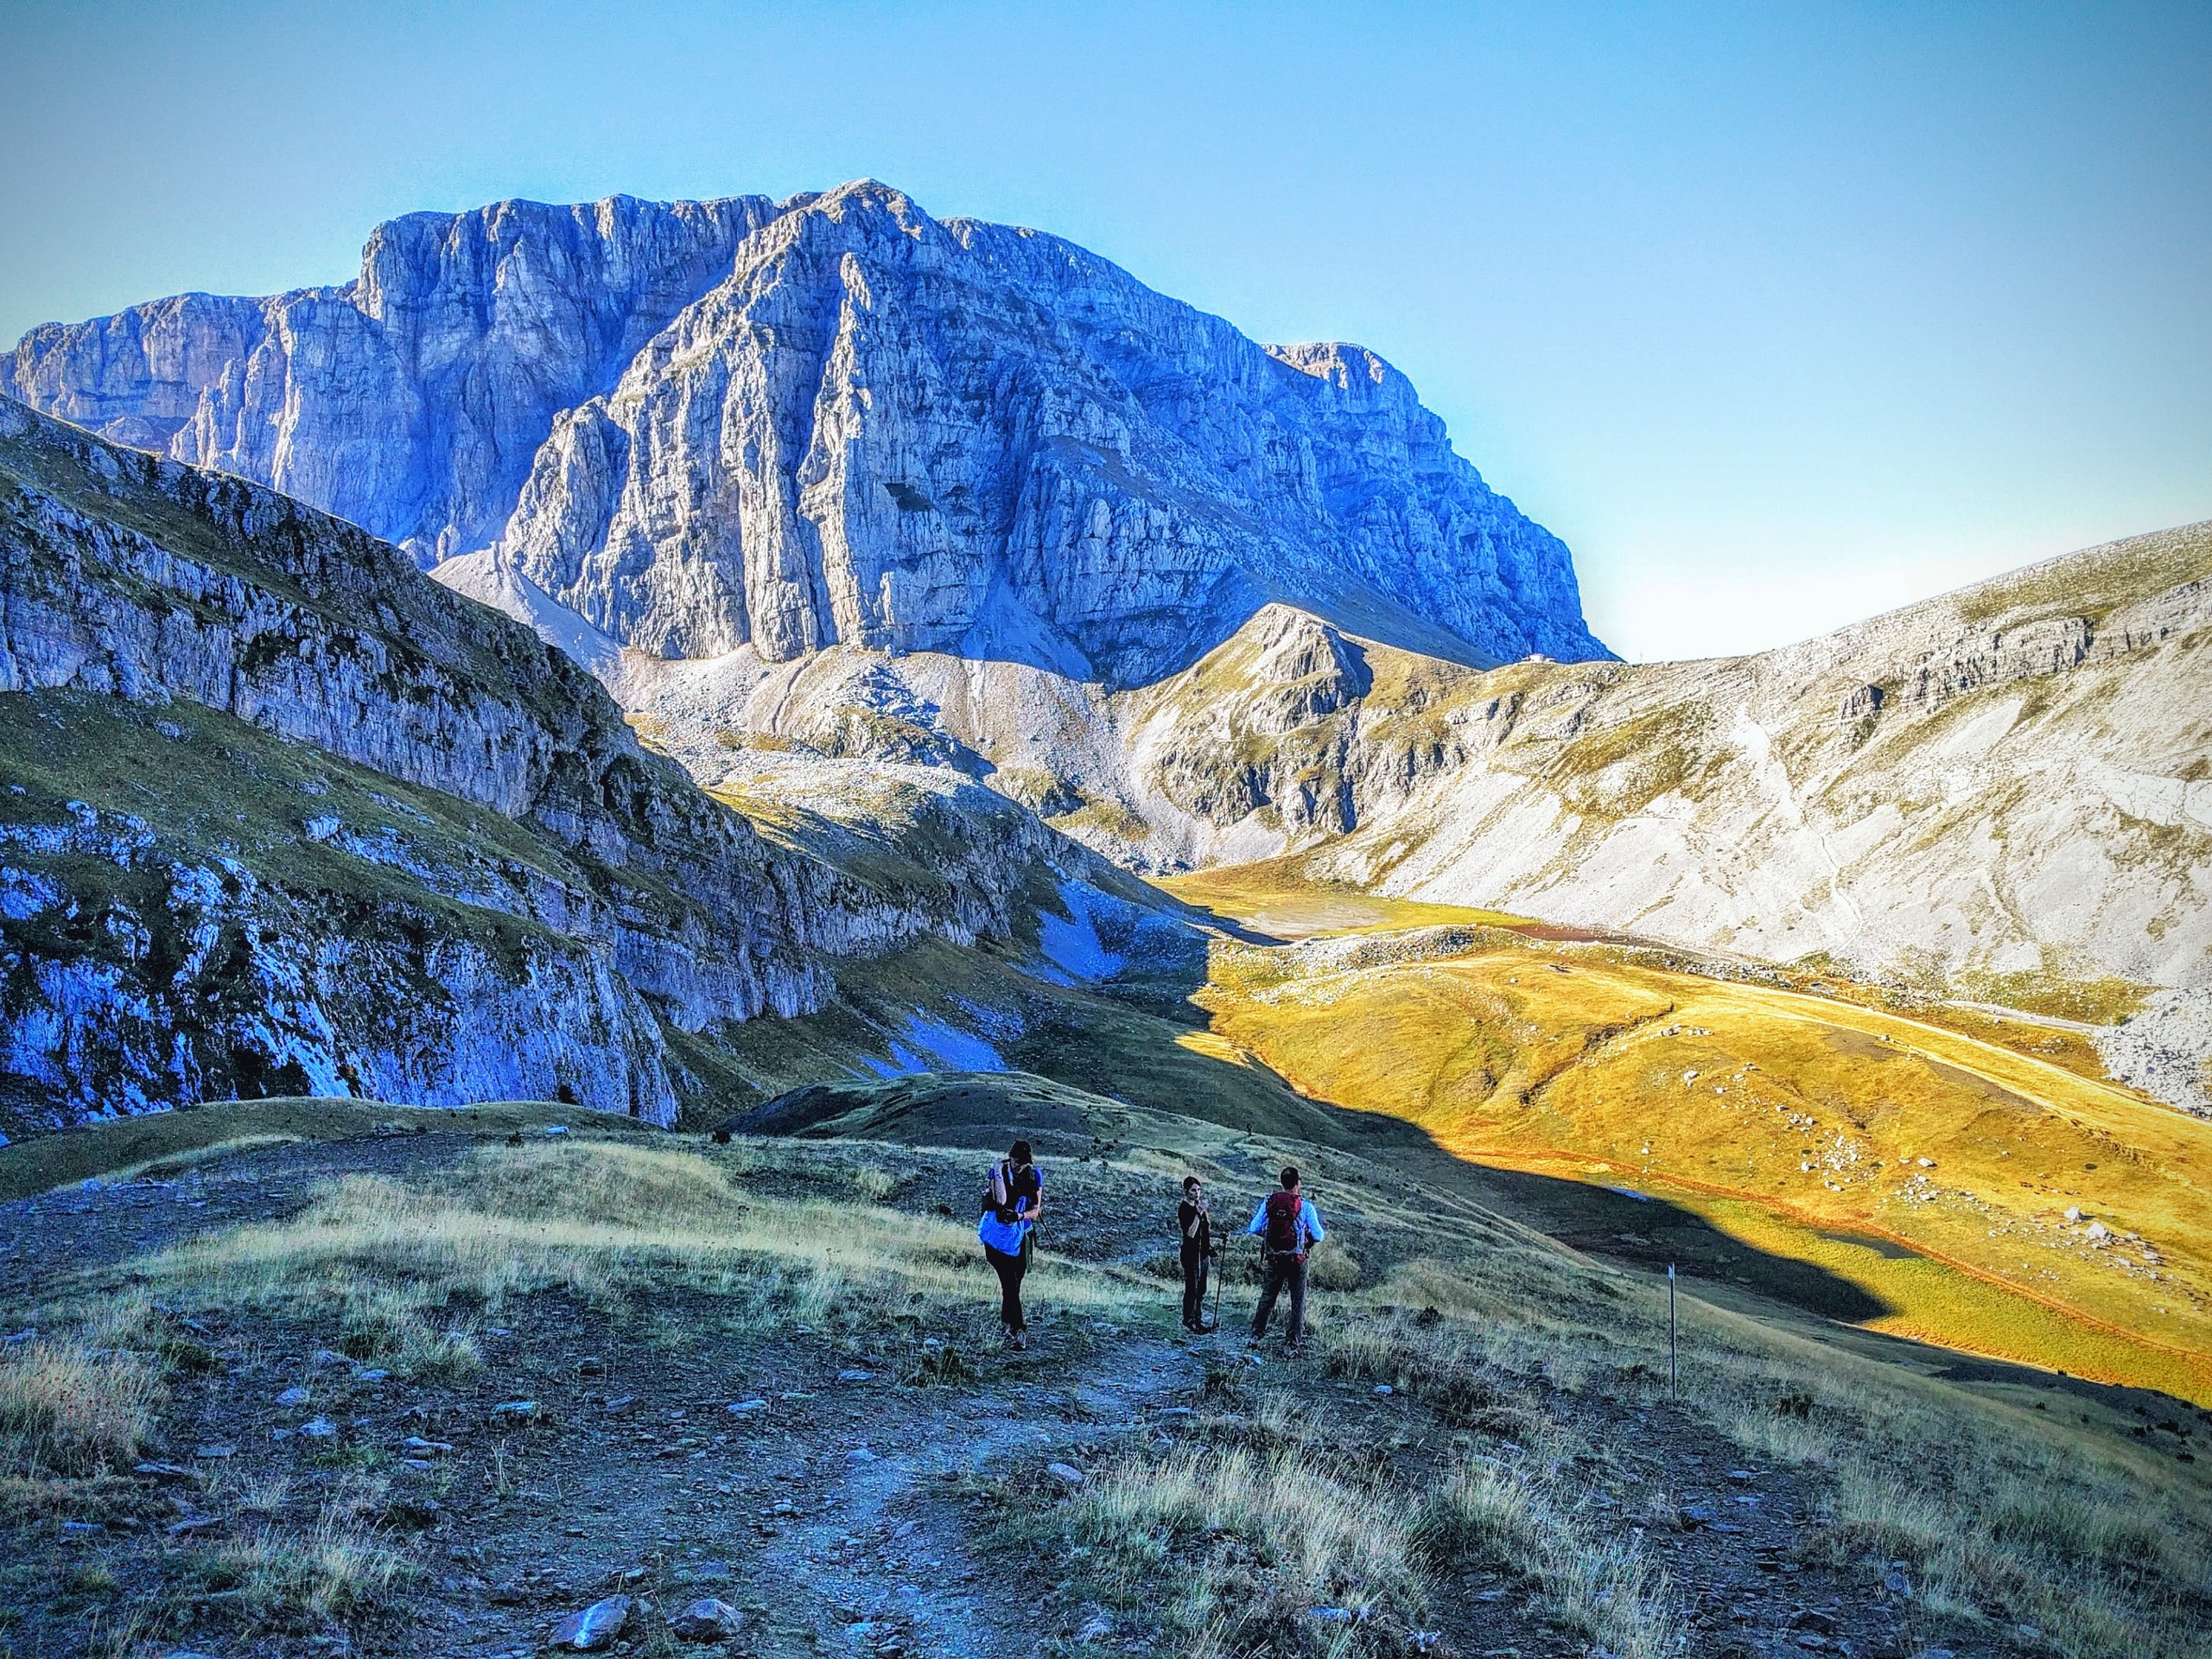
(1270, 897)
(1931, 1167)
(2000, 792)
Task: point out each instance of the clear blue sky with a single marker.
(1780, 314)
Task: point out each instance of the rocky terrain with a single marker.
(281, 814)
(2002, 793)
(703, 427)
(412, 400)
(775, 1443)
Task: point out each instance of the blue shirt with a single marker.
(1310, 1231)
(1006, 1236)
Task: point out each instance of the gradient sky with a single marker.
(1780, 315)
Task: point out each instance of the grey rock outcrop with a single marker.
(288, 817)
(2001, 792)
(834, 420)
(2165, 1049)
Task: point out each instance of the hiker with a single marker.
(1286, 1224)
(1012, 1203)
(1194, 1228)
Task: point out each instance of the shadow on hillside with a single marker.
(1063, 1117)
(1651, 1233)
(1084, 1056)
(1635, 1230)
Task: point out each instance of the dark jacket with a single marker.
(1198, 1242)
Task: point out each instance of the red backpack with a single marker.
(1284, 1236)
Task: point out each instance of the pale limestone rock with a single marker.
(886, 431)
(1992, 791)
(411, 399)
(835, 420)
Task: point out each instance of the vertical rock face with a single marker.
(832, 421)
(412, 399)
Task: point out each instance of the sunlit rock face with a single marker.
(411, 399)
(832, 421)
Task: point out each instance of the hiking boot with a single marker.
(1019, 1342)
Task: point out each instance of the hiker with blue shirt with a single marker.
(1287, 1225)
(1012, 1203)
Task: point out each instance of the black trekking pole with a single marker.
(1217, 1291)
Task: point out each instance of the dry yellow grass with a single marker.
(1264, 1514)
(286, 1579)
(1273, 898)
(1605, 1587)
(68, 1408)
(2005, 1514)
(1275, 1535)
(600, 1218)
(1799, 1124)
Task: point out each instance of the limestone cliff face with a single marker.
(884, 431)
(412, 399)
(832, 421)
(282, 815)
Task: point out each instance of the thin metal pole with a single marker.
(1674, 1332)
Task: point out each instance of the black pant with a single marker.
(1195, 1265)
(1009, 1270)
(1282, 1270)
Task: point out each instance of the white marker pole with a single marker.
(1673, 1343)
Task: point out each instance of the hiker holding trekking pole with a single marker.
(1287, 1225)
(1012, 1203)
(1194, 1226)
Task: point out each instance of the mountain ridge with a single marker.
(281, 814)
(831, 419)
(1832, 795)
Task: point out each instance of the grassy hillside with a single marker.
(1924, 1162)
(1273, 898)
(639, 1364)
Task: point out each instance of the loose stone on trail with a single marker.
(595, 1628)
(706, 1619)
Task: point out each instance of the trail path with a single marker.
(851, 1506)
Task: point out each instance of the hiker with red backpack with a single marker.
(1287, 1225)
(1012, 1203)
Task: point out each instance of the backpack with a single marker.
(1283, 1236)
(1019, 1186)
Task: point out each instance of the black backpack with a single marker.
(1019, 1184)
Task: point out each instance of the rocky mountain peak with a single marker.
(831, 420)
